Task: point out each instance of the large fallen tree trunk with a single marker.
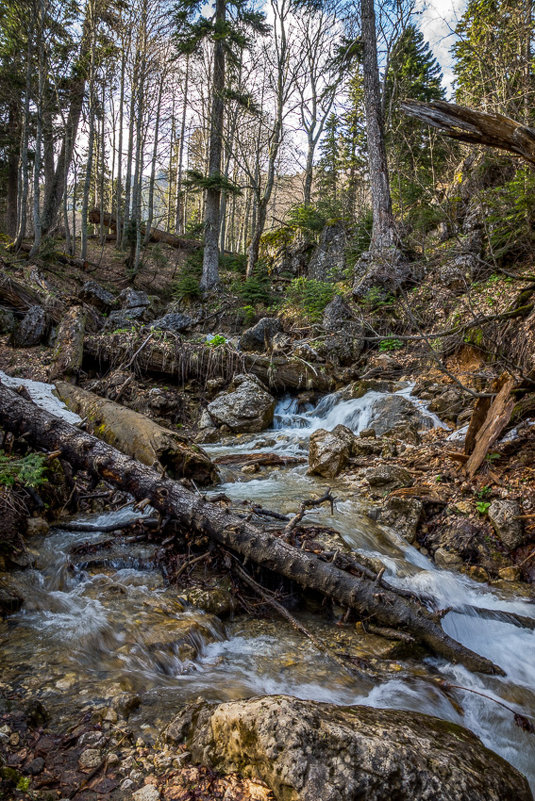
(22, 295)
(139, 436)
(475, 127)
(181, 361)
(156, 234)
(194, 513)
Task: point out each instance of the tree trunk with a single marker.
(38, 132)
(69, 347)
(12, 168)
(150, 213)
(384, 230)
(24, 179)
(212, 217)
(261, 547)
(179, 211)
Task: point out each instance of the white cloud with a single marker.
(437, 21)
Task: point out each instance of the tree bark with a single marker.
(212, 211)
(192, 512)
(384, 233)
(69, 347)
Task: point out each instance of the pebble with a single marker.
(147, 793)
(14, 739)
(89, 759)
(127, 784)
(36, 766)
(113, 759)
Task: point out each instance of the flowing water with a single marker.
(102, 622)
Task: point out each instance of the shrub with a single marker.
(233, 262)
(27, 470)
(187, 285)
(390, 344)
(256, 288)
(310, 296)
(216, 341)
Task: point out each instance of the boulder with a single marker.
(133, 298)
(329, 451)
(11, 599)
(504, 518)
(255, 338)
(403, 515)
(32, 329)
(329, 258)
(346, 340)
(388, 270)
(247, 408)
(97, 296)
(392, 411)
(388, 477)
(310, 751)
(174, 321)
(7, 321)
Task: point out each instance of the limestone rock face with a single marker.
(248, 408)
(329, 451)
(504, 518)
(32, 329)
(328, 260)
(255, 338)
(309, 751)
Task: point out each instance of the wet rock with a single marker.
(97, 296)
(36, 766)
(126, 703)
(36, 526)
(504, 518)
(329, 451)
(147, 793)
(89, 759)
(446, 558)
(309, 751)
(11, 598)
(366, 444)
(7, 321)
(403, 515)
(392, 411)
(259, 335)
(32, 329)
(174, 322)
(248, 408)
(329, 258)
(388, 477)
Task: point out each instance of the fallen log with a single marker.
(156, 234)
(139, 436)
(22, 295)
(69, 348)
(260, 459)
(194, 513)
(182, 361)
(475, 127)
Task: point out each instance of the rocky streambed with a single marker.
(119, 658)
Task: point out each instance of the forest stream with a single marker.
(100, 620)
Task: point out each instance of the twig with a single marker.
(138, 351)
(308, 504)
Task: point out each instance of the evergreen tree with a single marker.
(415, 153)
(493, 60)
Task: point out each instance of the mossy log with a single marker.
(182, 361)
(139, 436)
(69, 347)
(256, 545)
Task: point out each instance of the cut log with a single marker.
(182, 361)
(475, 127)
(498, 416)
(156, 234)
(194, 513)
(138, 436)
(69, 348)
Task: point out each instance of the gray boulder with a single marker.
(247, 408)
(97, 296)
(504, 518)
(174, 321)
(388, 477)
(346, 340)
(7, 321)
(403, 515)
(393, 411)
(388, 270)
(255, 338)
(329, 258)
(310, 751)
(32, 329)
(133, 298)
(329, 451)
